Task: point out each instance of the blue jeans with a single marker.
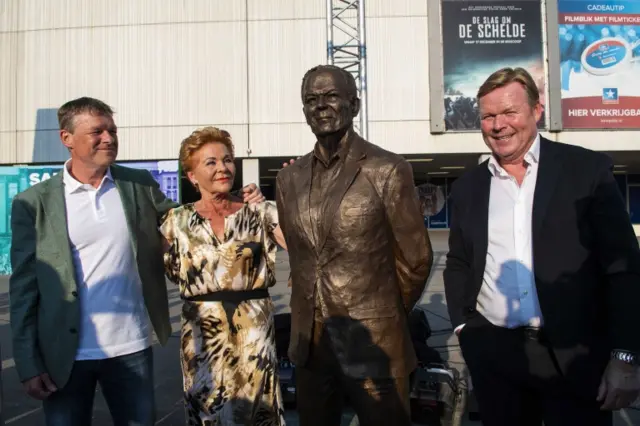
(127, 385)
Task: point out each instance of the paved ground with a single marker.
(19, 410)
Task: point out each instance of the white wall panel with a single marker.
(7, 147)
(599, 140)
(269, 140)
(185, 74)
(280, 52)
(398, 77)
(377, 8)
(400, 137)
(413, 137)
(9, 15)
(9, 48)
(286, 9)
(164, 142)
(52, 14)
(460, 143)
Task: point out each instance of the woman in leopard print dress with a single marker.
(221, 253)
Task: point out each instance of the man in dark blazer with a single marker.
(360, 257)
(88, 286)
(543, 272)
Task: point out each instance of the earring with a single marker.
(195, 185)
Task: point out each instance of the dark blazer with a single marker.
(45, 312)
(370, 263)
(585, 254)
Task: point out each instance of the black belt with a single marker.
(235, 296)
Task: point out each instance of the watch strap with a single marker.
(625, 356)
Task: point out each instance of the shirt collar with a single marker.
(531, 157)
(340, 153)
(72, 184)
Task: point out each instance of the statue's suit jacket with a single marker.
(45, 311)
(370, 262)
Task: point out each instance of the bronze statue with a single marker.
(360, 257)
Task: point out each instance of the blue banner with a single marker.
(590, 6)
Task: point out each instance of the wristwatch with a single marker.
(625, 356)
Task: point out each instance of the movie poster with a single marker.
(480, 37)
(15, 179)
(599, 50)
(433, 201)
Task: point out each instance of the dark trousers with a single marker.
(322, 388)
(126, 382)
(517, 381)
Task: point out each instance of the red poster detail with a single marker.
(592, 113)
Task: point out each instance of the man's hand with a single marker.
(251, 194)
(289, 163)
(458, 329)
(39, 387)
(620, 385)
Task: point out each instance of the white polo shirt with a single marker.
(114, 319)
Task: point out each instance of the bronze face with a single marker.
(328, 105)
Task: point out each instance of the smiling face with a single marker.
(92, 141)
(212, 169)
(328, 105)
(509, 122)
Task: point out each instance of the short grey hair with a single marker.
(68, 112)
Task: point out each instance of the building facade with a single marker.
(168, 67)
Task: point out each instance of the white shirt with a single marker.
(508, 296)
(114, 319)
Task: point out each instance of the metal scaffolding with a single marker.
(346, 48)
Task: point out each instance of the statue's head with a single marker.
(329, 99)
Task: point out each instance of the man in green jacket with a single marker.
(88, 286)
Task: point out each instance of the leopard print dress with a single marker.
(228, 354)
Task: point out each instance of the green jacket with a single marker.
(45, 311)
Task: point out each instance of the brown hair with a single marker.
(200, 138)
(68, 112)
(506, 76)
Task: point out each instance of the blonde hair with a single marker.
(506, 76)
(200, 138)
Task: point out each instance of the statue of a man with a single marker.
(360, 257)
